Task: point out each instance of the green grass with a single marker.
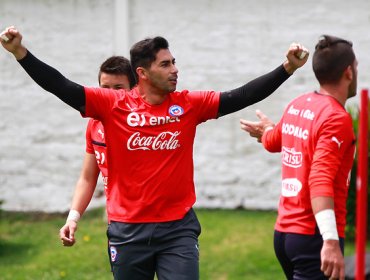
(233, 245)
(237, 245)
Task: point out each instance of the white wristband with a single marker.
(326, 222)
(73, 215)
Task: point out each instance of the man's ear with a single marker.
(141, 73)
(348, 72)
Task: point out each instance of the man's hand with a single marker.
(11, 40)
(67, 233)
(256, 129)
(294, 60)
(332, 260)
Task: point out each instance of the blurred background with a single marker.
(217, 44)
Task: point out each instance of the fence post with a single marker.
(361, 188)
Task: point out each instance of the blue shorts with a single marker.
(299, 255)
(168, 249)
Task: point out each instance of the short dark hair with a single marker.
(118, 65)
(331, 57)
(144, 52)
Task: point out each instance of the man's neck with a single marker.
(335, 91)
(151, 95)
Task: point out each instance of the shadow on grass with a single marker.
(11, 252)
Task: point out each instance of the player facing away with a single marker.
(150, 132)
(317, 144)
(114, 73)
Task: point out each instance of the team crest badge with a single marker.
(113, 253)
(176, 111)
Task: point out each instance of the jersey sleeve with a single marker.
(89, 146)
(334, 138)
(271, 139)
(206, 104)
(99, 102)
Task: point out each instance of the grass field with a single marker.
(234, 244)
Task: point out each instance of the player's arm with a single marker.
(332, 260)
(45, 76)
(327, 159)
(263, 86)
(84, 191)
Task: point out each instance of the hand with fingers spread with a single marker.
(256, 129)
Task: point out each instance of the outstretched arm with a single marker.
(263, 86)
(45, 76)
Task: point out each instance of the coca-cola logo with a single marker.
(166, 140)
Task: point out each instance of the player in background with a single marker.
(114, 73)
(317, 144)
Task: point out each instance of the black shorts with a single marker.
(299, 255)
(169, 249)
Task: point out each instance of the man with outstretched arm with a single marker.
(150, 132)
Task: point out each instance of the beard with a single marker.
(352, 88)
(162, 85)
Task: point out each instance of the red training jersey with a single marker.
(317, 144)
(150, 151)
(95, 144)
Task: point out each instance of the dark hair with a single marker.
(331, 57)
(144, 52)
(118, 65)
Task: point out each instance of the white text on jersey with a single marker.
(306, 114)
(296, 131)
(290, 157)
(166, 140)
(135, 119)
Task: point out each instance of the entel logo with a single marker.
(290, 187)
(134, 119)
